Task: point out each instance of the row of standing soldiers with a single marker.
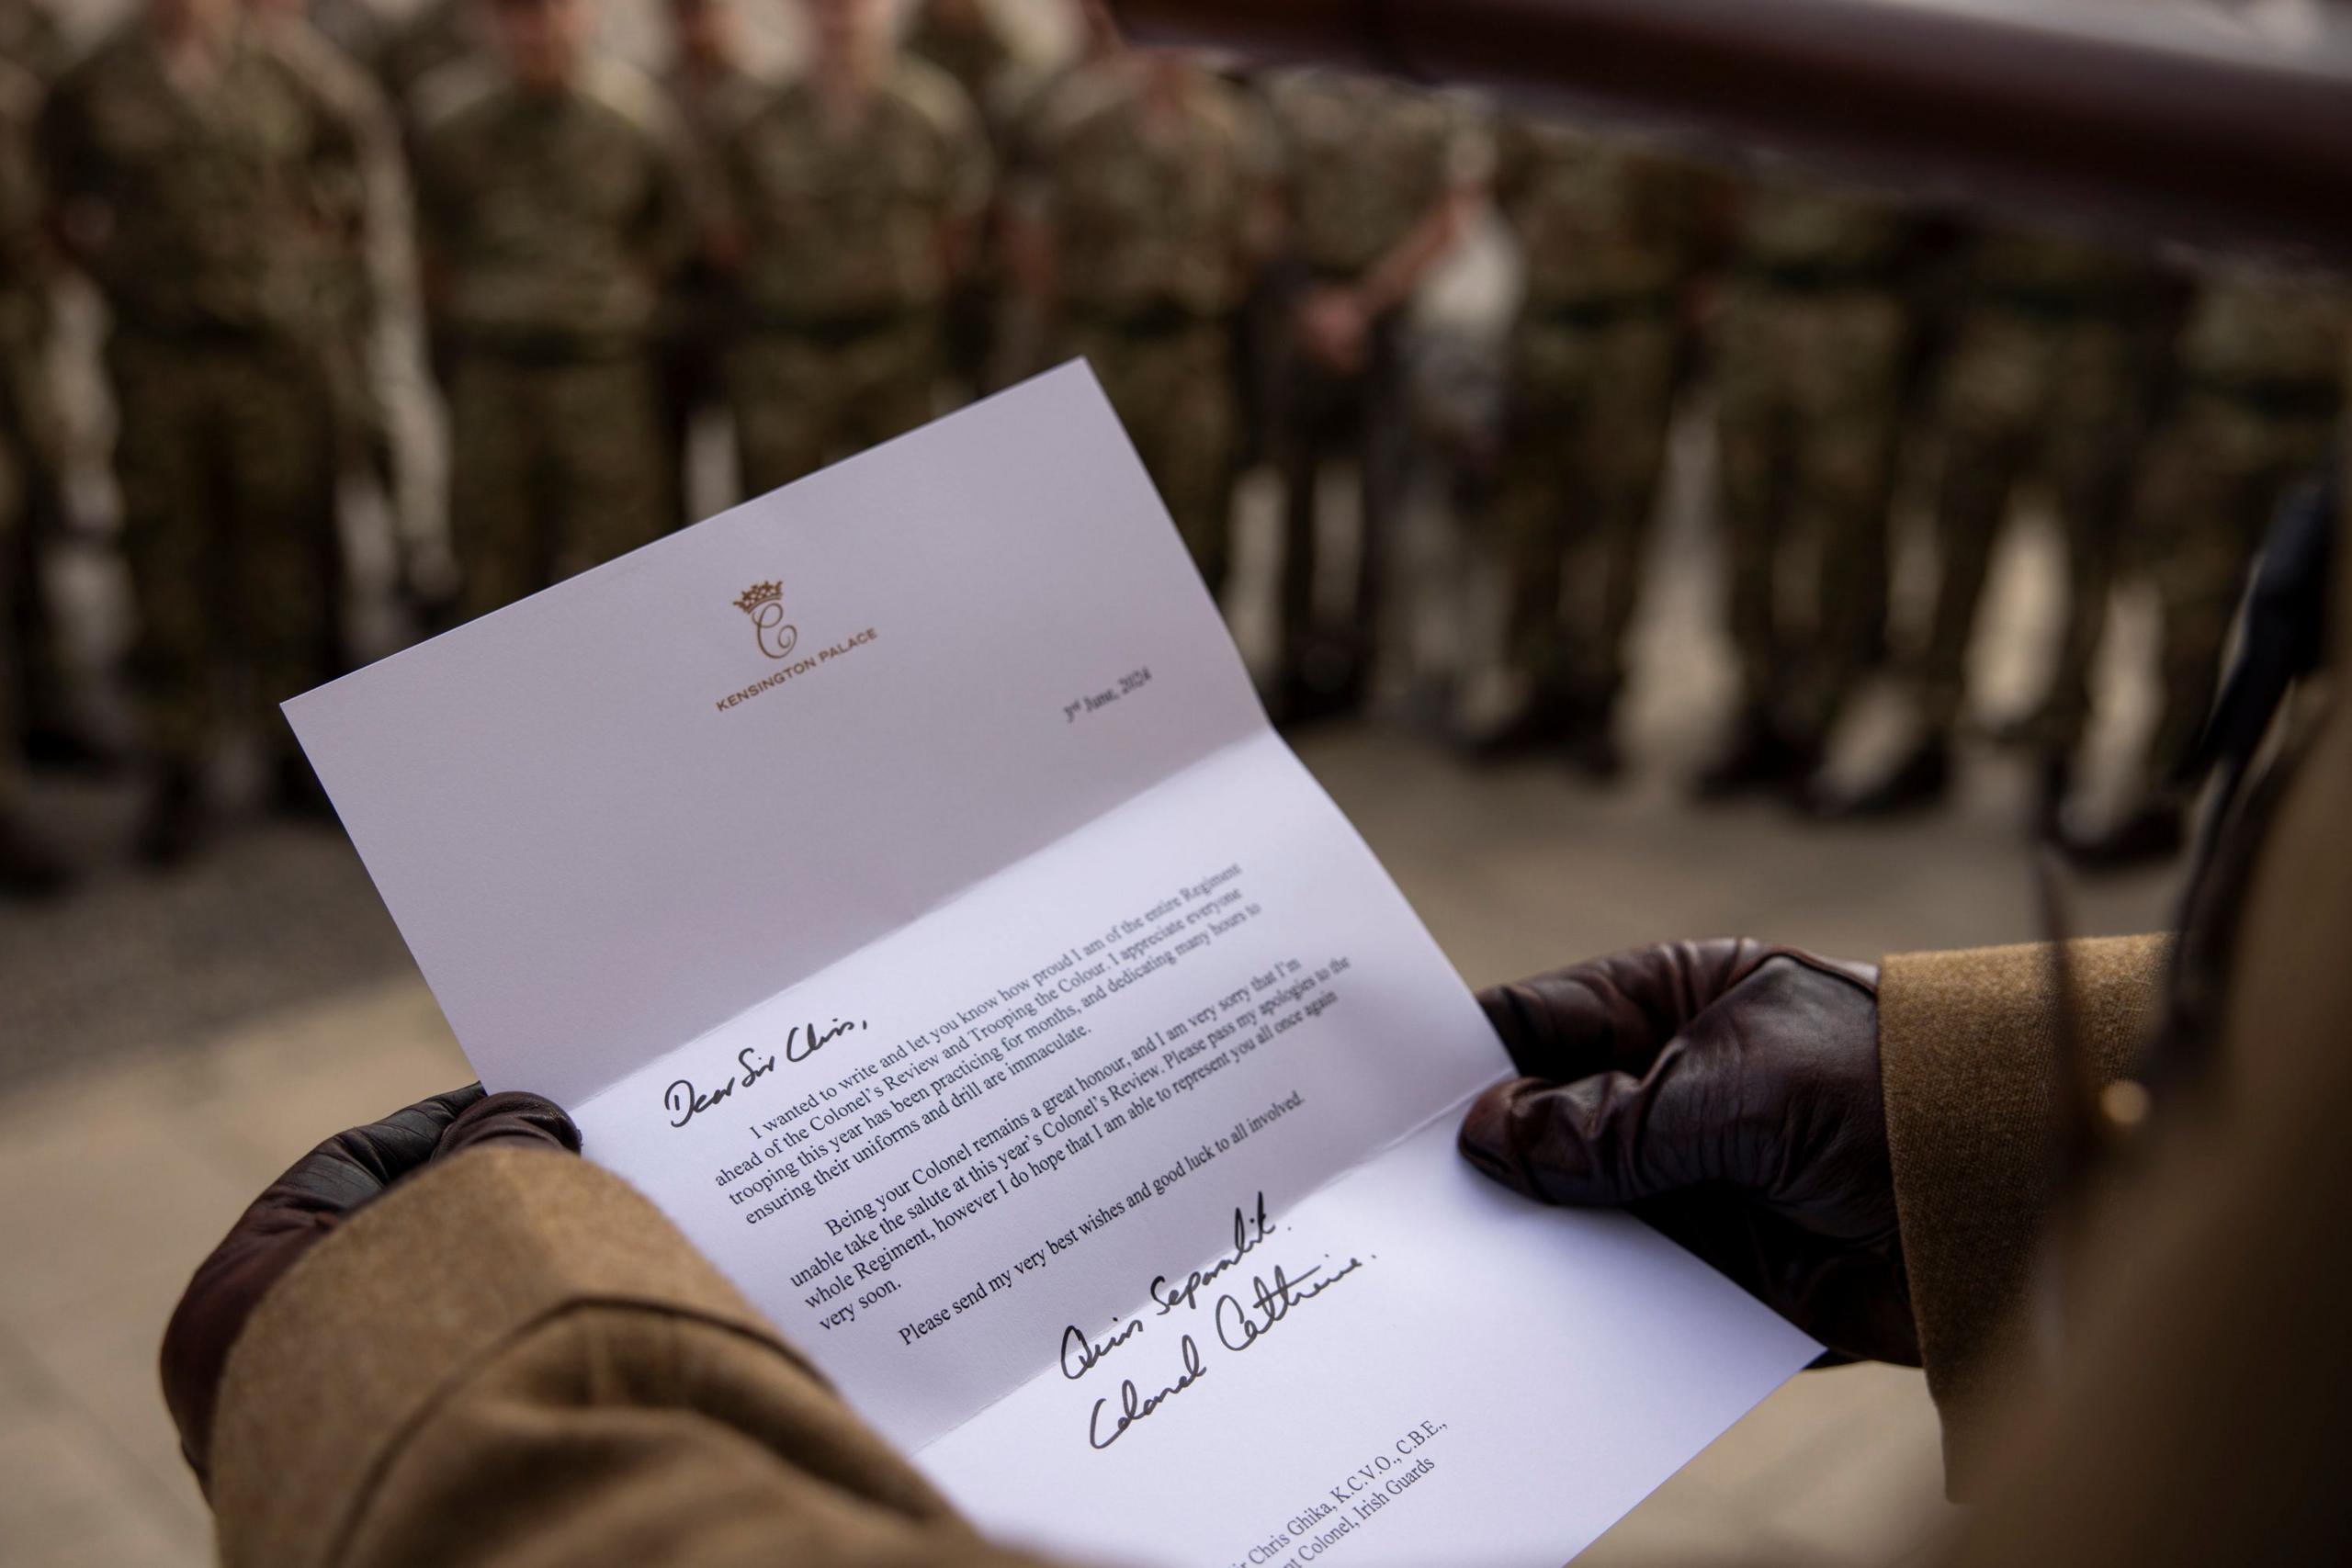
(600, 258)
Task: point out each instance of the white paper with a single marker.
(898, 880)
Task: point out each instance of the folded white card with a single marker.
(897, 878)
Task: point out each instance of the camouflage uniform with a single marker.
(1811, 354)
(31, 39)
(845, 266)
(1363, 162)
(351, 202)
(1147, 204)
(2261, 370)
(32, 425)
(550, 224)
(23, 333)
(709, 103)
(353, 27)
(440, 34)
(962, 39)
(2049, 374)
(1610, 242)
(192, 204)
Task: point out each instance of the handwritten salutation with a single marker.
(684, 1101)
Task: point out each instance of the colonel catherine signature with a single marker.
(1241, 1316)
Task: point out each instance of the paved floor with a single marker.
(174, 1045)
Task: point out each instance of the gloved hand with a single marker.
(322, 1190)
(1727, 1093)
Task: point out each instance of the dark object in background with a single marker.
(2158, 119)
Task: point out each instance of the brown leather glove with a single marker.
(1727, 1093)
(322, 1190)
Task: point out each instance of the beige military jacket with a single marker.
(513, 1360)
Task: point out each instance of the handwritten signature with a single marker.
(1239, 1326)
(1241, 1318)
(1249, 1229)
(684, 1101)
(1134, 1406)
(1090, 1352)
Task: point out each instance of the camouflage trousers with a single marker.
(692, 359)
(555, 466)
(1809, 391)
(1589, 410)
(225, 461)
(2214, 476)
(12, 667)
(32, 454)
(803, 399)
(1174, 392)
(1320, 414)
(2058, 398)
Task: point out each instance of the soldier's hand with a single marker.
(322, 1190)
(1727, 1093)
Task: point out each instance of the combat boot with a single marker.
(2055, 782)
(1760, 758)
(1590, 746)
(30, 866)
(175, 821)
(1544, 720)
(1593, 752)
(61, 748)
(2151, 833)
(2037, 728)
(1317, 683)
(296, 793)
(1919, 781)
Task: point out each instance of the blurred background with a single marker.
(1637, 546)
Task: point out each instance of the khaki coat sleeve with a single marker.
(1965, 1047)
(513, 1360)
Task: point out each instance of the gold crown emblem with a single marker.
(759, 593)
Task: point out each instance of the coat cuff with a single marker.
(387, 1315)
(1966, 1044)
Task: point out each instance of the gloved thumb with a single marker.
(511, 1118)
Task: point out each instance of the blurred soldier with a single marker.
(1811, 354)
(2052, 361)
(1612, 240)
(1375, 194)
(853, 194)
(185, 159)
(352, 205)
(440, 33)
(27, 866)
(354, 27)
(710, 89)
(711, 93)
(1142, 213)
(554, 206)
(1020, 342)
(2261, 390)
(30, 38)
(963, 38)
